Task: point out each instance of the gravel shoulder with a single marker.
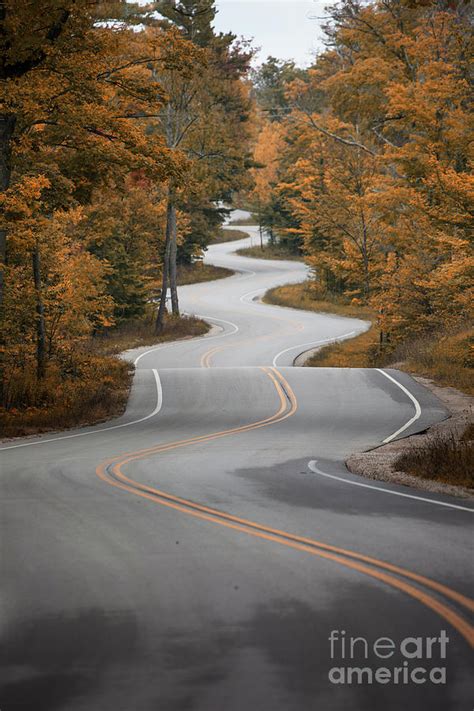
(379, 463)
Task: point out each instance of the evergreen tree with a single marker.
(193, 17)
(270, 83)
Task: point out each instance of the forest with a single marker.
(368, 173)
(124, 131)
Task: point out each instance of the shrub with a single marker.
(448, 459)
(77, 390)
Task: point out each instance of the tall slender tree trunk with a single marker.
(40, 325)
(171, 220)
(7, 126)
(365, 259)
(160, 316)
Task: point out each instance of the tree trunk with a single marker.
(40, 325)
(260, 230)
(365, 259)
(171, 221)
(366, 276)
(7, 126)
(164, 285)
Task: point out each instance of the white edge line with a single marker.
(314, 468)
(193, 340)
(244, 298)
(314, 343)
(415, 402)
(158, 406)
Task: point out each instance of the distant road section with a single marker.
(202, 551)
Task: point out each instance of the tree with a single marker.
(81, 113)
(270, 82)
(29, 34)
(204, 118)
(376, 161)
(193, 17)
(265, 156)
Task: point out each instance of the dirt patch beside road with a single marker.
(381, 463)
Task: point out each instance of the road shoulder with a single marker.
(380, 463)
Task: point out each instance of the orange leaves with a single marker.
(393, 227)
(21, 201)
(266, 154)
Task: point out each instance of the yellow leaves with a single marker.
(395, 225)
(266, 154)
(23, 200)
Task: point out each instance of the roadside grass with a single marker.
(229, 235)
(269, 252)
(447, 358)
(137, 333)
(87, 390)
(300, 296)
(199, 272)
(448, 459)
(358, 352)
(85, 383)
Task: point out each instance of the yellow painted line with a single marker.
(307, 545)
(215, 435)
(206, 358)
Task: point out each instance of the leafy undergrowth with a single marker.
(199, 272)
(229, 235)
(269, 252)
(447, 459)
(77, 390)
(83, 384)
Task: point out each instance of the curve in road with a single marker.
(112, 602)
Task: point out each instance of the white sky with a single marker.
(286, 29)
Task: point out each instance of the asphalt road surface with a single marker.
(209, 551)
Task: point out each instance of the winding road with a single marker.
(201, 552)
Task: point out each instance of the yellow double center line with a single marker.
(111, 473)
(206, 357)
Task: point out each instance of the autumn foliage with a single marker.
(111, 119)
(377, 164)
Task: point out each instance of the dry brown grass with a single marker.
(447, 459)
(228, 235)
(199, 272)
(134, 334)
(84, 384)
(358, 352)
(89, 389)
(300, 296)
(447, 358)
(269, 252)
